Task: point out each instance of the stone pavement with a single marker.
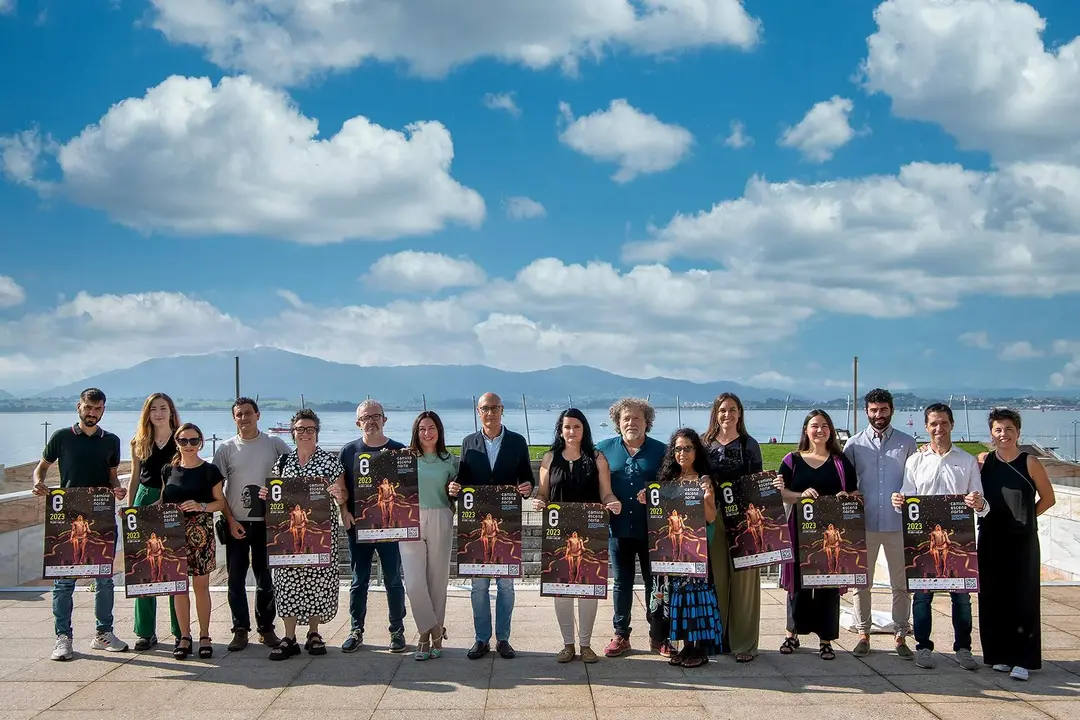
(376, 684)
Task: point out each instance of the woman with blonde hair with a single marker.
(152, 448)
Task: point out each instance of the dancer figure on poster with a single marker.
(755, 525)
(830, 543)
(386, 500)
(298, 526)
(939, 550)
(676, 530)
(155, 557)
(80, 535)
(574, 554)
(489, 537)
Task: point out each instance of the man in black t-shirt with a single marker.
(88, 457)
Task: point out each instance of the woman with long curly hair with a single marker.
(152, 448)
(684, 608)
(574, 471)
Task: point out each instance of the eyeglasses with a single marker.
(305, 430)
(182, 442)
(370, 418)
(682, 449)
(489, 409)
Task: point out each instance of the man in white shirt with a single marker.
(942, 469)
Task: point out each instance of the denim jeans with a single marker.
(390, 559)
(624, 551)
(924, 620)
(62, 603)
(481, 608)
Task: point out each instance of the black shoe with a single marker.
(239, 641)
(269, 638)
(477, 651)
(505, 650)
(144, 644)
(397, 642)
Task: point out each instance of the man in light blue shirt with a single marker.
(879, 454)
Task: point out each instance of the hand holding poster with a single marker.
(489, 531)
(939, 544)
(155, 551)
(574, 551)
(678, 544)
(387, 496)
(80, 533)
(299, 529)
(755, 521)
(832, 542)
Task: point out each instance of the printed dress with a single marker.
(307, 592)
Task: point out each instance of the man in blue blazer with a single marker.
(493, 456)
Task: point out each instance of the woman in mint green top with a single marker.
(426, 563)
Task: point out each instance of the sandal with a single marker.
(826, 652)
(423, 651)
(744, 658)
(315, 644)
(677, 658)
(790, 645)
(285, 649)
(180, 652)
(205, 651)
(695, 661)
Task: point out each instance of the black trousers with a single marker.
(250, 551)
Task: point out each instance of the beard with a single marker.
(880, 422)
(88, 421)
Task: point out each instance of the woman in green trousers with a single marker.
(152, 448)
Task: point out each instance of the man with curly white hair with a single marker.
(634, 458)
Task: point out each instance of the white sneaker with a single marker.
(1003, 668)
(63, 650)
(1019, 673)
(108, 641)
(924, 658)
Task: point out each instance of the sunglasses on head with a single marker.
(188, 441)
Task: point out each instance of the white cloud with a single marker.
(95, 333)
(738, 138)
(638, 142)
(979, 69)
(7, 6)
(891, 246)
(20, 155)
(287, 42)
(411, 271)
(771, 378)
(502, 101)
(1021, 350)
(11, 293)
(524, 208)
(1069, 375)
(240, 159)
(976, 339)
(823, 130)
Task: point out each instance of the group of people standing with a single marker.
(689, 619)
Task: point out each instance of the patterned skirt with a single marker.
(694, 616)
(310, 592)
(201, 547)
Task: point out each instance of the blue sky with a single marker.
(165, 191)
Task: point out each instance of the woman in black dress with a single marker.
(1018, 490)
(574, 471)
(819, 467)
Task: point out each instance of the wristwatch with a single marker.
(203, 506)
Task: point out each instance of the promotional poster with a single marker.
(832, 542)
(574, 551)
(387, 496)
(299, 531)
(678, 544)
(80, 533)
(155, 551)
(755, 521)
(489, 532)
(939, 544)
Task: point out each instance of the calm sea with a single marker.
(24, 433)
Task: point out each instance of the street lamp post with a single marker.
(1074, 424)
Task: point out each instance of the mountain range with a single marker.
(272, 373)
